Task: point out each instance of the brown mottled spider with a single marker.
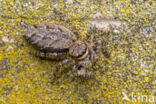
(57, 42)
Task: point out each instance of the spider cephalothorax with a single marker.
(83, 56)
(78, 50)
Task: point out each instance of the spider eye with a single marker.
(79, 68)
(80, 55)
(83, 54)
(84, 51)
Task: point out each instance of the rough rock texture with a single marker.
(128, 71)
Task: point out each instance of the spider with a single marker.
(57, 42)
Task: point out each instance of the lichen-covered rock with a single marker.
(128, 71)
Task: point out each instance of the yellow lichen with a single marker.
(25, 78)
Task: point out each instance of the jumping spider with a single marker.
(57, 42)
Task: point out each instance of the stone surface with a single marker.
(129, 69)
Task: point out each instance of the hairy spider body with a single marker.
(57, 42)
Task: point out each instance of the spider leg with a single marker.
(80, 71)
(49, 55)
(61, 64)
(64, 17)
